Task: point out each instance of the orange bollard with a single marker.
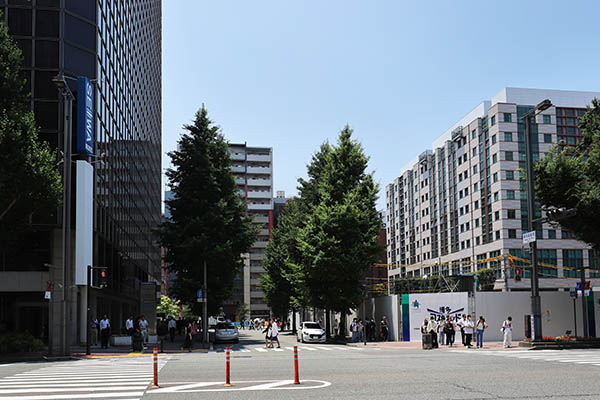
(296, 376)
(227, 368)
(155, 385)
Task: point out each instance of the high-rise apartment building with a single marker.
(462, 203)
(116, 45)
(253, 171)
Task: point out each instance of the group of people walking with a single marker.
(103, 328)
(368, 330)
(271, 332)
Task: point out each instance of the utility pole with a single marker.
(205, 337)
(583, 304)
(536, 307)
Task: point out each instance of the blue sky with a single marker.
(291, 74)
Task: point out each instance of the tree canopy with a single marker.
(208, 217)
(570, 177)
(29, 178)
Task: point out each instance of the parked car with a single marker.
(226, 332)
(311, 332)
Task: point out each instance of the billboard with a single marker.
(85, 116)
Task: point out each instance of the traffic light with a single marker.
(517, 274)
(103, 281)
(556, 214)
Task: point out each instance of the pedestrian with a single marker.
(481, 327)
(129, 326)
(450, 331)
(468, 326)
(432, 328)
(267, 332)
(507, 330)
(194, 331)
(425, 325)
(361, 330)
(104, 331)
(144, 329)
(94, 325)
(354, 330)
(441, 327)
(384, 328)
(172, 326)
(460, 324)
(373, 326)
(187, 341)
(274, 332)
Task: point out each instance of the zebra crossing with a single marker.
(583, 357)
(115, 378)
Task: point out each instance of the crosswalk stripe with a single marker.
(323, 348)
(78, 389)
(75, 396)
(307, 348)
(260, 350)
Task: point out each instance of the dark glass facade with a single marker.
(118, 44)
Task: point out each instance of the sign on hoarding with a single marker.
(529, 237)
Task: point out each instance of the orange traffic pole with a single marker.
(227, 368)
(296, 376)
(155, 385)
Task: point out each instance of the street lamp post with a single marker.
(68, 97)
(536, 307)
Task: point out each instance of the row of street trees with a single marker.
(326, 238)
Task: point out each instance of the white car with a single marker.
(311, 332)
(226, 332)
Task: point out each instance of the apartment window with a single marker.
(547, 119)
(493, 120)
(476, 204)
(494, 158)
(496, 196)
(477, 223)
(507, 117)
(473, 133)
(497, 235)
(511, 214)
(494, 139)
(508, 155)
(474, 169)
(496, 215)
(510, 175)
(508, 136)
(477, 241)
(466, 174)
(547, 138)
(466, 191)
(475, 187)
(510, 194)
(467, 208)
(495, 177)
(551, 234)
(474, 151)
(512, 233)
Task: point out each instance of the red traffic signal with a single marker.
(517, 274)
(103, 281)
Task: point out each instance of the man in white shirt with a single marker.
(507, 329)
(129, 326)
(104, 331)
(432, 329)
(460, 323)
(144, 329)
(274, 332)
(172, 325)
(469, 325)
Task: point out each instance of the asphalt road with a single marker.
(326, 372)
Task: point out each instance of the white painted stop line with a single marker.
(239, 386)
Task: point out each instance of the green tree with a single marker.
(242, 311)
(282, 282)
(209, 222)
(29, 180)
(339, 237)
(570, 177)
(168, 307)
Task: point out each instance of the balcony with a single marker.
(238, 169)
(257, 293)
(260, 245)
(264, 232)
(256, 157)
(259, 219)
(259, 170)
(240, 181)
(260, 195)
(257, 256)
(238, 157)
(259, 182)
(259, 206)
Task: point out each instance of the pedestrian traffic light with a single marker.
(517, 274)
(103, 281)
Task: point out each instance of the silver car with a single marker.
(311, 332)
(226, 332)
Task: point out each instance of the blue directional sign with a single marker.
(85, 116)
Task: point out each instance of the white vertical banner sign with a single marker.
(84, 220)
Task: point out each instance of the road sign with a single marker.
(47, 295)
(528, 237)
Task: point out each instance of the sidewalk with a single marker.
(491, 345)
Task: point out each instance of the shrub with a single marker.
(20, 342)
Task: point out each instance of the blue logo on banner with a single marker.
(85, 116)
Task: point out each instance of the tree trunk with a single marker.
(343, 325)
(294, 321)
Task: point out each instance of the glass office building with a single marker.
(118, 45)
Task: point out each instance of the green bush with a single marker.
(20, 342)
